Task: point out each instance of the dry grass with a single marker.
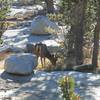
(3, 55)
(1, 65)
(89, 60)
(49, 67)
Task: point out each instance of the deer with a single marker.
(42, 51)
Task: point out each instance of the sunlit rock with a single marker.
(20, 64)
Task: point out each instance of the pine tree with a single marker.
(4, 9)
(74, 15)
(96, 37)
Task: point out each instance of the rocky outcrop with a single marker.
(20, 64)
(42, 25)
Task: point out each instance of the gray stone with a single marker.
(17, 39)
(84, 68)
(41, 25)
(4, 48)
(21, 63)
(29, 48)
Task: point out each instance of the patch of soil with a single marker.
(3, 55)
(2, 65)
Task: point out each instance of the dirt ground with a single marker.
(1, 65)
(42, 85)
(6, 54)
(3, 55)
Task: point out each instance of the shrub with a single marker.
(1, 41)
(67, 85)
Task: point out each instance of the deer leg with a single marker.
(38, 58)
(42, 63)
(44, 60)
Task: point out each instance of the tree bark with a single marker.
(50, 6)
(80, 30)
(74, 43)
(96, 38)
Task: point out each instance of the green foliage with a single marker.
(90, 19)
(1, 41)
(67, 85)
(67, 7)
(4, 9)
(55, 17)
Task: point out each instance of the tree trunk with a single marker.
(50, 6)
(96, 38)
(79, 30)
(74, 43)
(69, 49)
(1, 28)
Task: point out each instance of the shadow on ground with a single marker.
(16, 78)
(44, 86)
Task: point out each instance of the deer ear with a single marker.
(54, 55)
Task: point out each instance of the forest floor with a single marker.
(43, 85)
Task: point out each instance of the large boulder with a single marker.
(17, 40)
(21, 64)
(42, 25)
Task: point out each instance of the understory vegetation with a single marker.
(67, 88)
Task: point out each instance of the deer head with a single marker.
(53, 59)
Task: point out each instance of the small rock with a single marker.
(84, 68)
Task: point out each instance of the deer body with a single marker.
(42, 51)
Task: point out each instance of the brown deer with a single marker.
(42, 51)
